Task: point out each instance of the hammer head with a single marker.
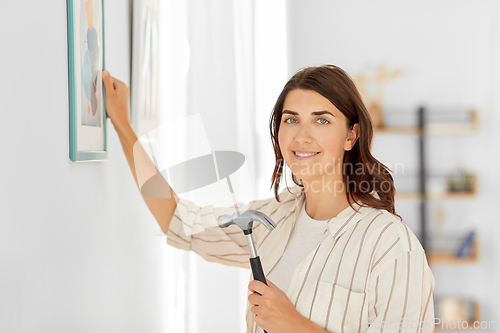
(245, 220)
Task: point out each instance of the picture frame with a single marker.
(87, 111)
(144, 112)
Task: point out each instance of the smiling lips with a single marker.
(304, 154)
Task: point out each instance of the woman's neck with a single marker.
(324, 201)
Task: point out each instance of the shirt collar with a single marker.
(347, 218)
(340, 223)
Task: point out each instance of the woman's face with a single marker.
(312, 125)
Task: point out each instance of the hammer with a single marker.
(245, 222)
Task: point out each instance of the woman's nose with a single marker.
(303, 135)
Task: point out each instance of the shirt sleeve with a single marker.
(195, 228)
(401, 295)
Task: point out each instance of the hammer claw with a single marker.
(245, 220)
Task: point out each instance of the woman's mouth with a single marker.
(304, 155)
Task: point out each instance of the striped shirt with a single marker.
(369, 273)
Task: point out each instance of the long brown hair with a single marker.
(362, 173)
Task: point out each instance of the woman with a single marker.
(340, 259)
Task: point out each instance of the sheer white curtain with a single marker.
(207, 69)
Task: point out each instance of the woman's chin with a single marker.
(315, 179)
(307, 178)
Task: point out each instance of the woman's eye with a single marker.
(322, 121)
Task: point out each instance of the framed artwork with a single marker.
(144, 115)
(87, 113)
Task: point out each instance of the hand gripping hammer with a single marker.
(245, 222)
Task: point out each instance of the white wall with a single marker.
(450, 51)
(270, 77)
(78, 247)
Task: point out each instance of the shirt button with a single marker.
(301, 274)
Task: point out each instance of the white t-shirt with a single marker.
(306, 236)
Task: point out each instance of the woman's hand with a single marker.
(273, 310)
(117, 100)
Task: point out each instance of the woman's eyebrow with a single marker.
(315, 113)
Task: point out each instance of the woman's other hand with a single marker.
(273, 310)
(117, 100)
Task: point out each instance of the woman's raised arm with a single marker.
(117, 108)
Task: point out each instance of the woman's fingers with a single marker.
(113, 83)
(271, 285)
(254, 298)
(117, 99)
(118, 85)
(256, 286)
(108, 82)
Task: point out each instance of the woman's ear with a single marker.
(352, 137)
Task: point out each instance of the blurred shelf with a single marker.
(444, 195)
(437, 196)
(472, 127)
(460, 325)
(444, 250)
(449, 257)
